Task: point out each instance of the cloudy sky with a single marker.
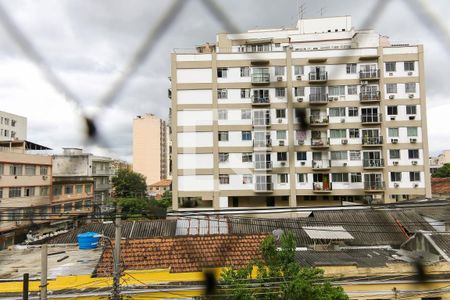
(88, 44)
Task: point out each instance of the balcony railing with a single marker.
(369, 96)
(372, 140)
(321, 187)
(373, 163)
(263, 187)
(319, 120)
(263, 165)
(261, 122)
(260, 100)
(321, 164)
(373, 185)
(318, 98)
(318, 76)
(371, 118)
(261, 78)
(320, 142)
(262, 143)
(371, 74)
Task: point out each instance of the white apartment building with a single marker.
(12, 127)
(302, 116)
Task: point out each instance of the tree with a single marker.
(129, 184)
(277, 276)
(443, 171)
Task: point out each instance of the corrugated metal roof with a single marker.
(328, 233)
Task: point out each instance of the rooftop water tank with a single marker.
(88, 240)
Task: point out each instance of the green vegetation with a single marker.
(443, 171)
(129, 184)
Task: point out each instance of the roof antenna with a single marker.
(301, 9)
(322, 10)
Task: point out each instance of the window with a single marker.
(339, 155)
(281, 134)
(245, 93)
(245, 71)
(15, 192)
(409, 65)
(339, 177)
(351, 68)
(338, 133)
(224, 157)
(411, 131)
(13, 123)
(394, 154)
(414, 176)
(299, 70)
(280, 92)
(68, 189)
(302, 177)
(279, 70)
(223, 114)
(338, 90)
(247, 179)
(283, 178)
(222, 94)
(246, 157)
(353, 133)
(353, 112)
(56, 209)
(30, 170)
(222, 72)
(87, 203)
(246, 114)
(223, 136)
(87, 188)
(2, 167)
(337, 112)
(281, 156)
(57, 190)
(413, 153)
(224, 179)
(411, 109)
(355, 155)
(246, 135)
(301, 155)
(355, 177)
(391, 66)
(396, 176)
(299, 91)
(392, 110)
(393, 132)
(410, 87)
(391, 88)
(68, 206)
(6, 121)
(352, 90)
(43, 170)
(78, 205)
(280, 113)
(28, 191)
(43, 190)
(15, 170)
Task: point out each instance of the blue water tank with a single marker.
(88, 240)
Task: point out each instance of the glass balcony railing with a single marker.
(260, 100)
(372, 140)
(321, 164)
(319, 120)
(373, 163)
(263, 187)
(318, 76)
(263, 165)
(261, 78)
(319, 142)
(371, 118)
(373, 185)
(369, 96)
(262, 143)
(322, 186)
(369, 74)
(318, 98)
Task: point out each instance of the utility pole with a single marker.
(26, 278)
(43, 287)
(116, 256)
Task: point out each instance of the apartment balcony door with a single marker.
(317, 91)
(372, 178)
(369, 68)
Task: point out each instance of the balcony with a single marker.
(321, 187)
(369, 75)
(263, 187)
(260, 78)
(373, 186)
(371, 118)
(318, 76)
(267, 143)
(319, 121)
(372, 141)
(376, 163)
(372, 96)
(263, 122)
(263, 165)
(318, 98)
(322, 164)
(256, 100)
(320, 143)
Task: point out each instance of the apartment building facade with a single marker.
(12, 127)
(303, 116)
(151, 148)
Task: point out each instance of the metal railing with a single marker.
(260, 100)
(371, 118)
(319, 120)
(263, 165)
(264, 187)
(373, 163)
(369, 96)
(318, 98)
(372, 140)
(371, 74)
(261, 78)
(321, 163)
(320, 142)
(374, 185)
(261, 121)
(318, 76)
(262, 143)
(320, 186)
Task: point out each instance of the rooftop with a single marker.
(162, 183)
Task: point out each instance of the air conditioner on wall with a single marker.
(300, 99)
(283, 163)
(280, 120)
(396, 185)
(342, 120)
(394, 141)
(416, 185)
(411, 96)
(414, 162)
(300, 142)
(344, 141)
(279, 78)
(410, 73)
(412, 117)
(391, 96)
(299, 77)
(281, 143)
(395, 163)
(302, 163)
(413, 141)
(391, 74)
(364, 82)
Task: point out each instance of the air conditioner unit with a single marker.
(283, 163)
(335, 98)
(412, 117)
(392, 118)
(395, 163)
(344, 141)
(410, 96)
(299, 77)
(413, 141)
(364, 82)
(300, 99)
(394, 141)
(344, 164)
(396, 185)
(414, 162)
(410, 73)
(281, 143)
(416, 185)
(280, 120)
(44, 177)
(300, 142)
(279, 78)
(302, 163)
(342, 120)
(391, 96)
(391, 74)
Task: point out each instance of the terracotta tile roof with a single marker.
(162, 183)
(440, 186)
(184, 253)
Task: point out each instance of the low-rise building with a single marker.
(158, 189)
(12, 127)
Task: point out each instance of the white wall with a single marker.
(195, 139)
(194, 76)
(235, 140)
(194, 117)
(195, 161)
(202, 183)
(194, 97)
